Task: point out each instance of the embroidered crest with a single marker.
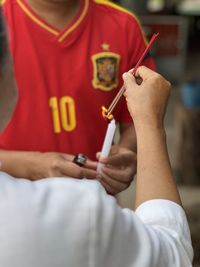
(106, 68)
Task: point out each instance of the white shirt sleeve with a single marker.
(166, 222)
(156, 235)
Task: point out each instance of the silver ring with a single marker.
(80, 159)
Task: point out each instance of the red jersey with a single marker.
(65, 77)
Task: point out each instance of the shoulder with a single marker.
(112, 9)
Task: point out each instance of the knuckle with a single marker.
(81, 173)
(55, 162)
(157, 77)
(169, 86)
(52, 172)
(141, 68)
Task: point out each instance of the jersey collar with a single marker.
(60, 35)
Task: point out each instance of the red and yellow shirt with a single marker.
(65, 77)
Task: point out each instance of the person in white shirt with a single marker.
(58, 222)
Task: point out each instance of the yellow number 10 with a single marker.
(63, 113)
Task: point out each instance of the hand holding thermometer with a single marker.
(107, 142)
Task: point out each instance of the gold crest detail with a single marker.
(106, 69)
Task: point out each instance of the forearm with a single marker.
(39, 165)
(154, 175)
(19, 164)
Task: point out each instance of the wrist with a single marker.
(149, 124)
(19, 164)
(147, 132)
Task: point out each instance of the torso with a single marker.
(64, 78)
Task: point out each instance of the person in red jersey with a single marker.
(57, 114)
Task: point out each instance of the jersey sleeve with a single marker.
(156, 235)
(137, 44)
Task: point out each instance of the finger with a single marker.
(120, 159)
(129, 81)
(76, 171)
(144, 73)
(89, 174)
(138, 79)
(131, 70)
(71, 169)
(118, 186)
(67, 157)
(108, 188)
(91, 164)
(114, 150)
(125, 175)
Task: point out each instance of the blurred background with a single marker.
(177, 56)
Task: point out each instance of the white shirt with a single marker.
(59, 222)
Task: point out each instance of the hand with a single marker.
(146, 98)
(118, 170)
(52, 164)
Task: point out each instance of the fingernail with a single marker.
(129, 74)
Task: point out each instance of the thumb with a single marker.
(129, 80)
